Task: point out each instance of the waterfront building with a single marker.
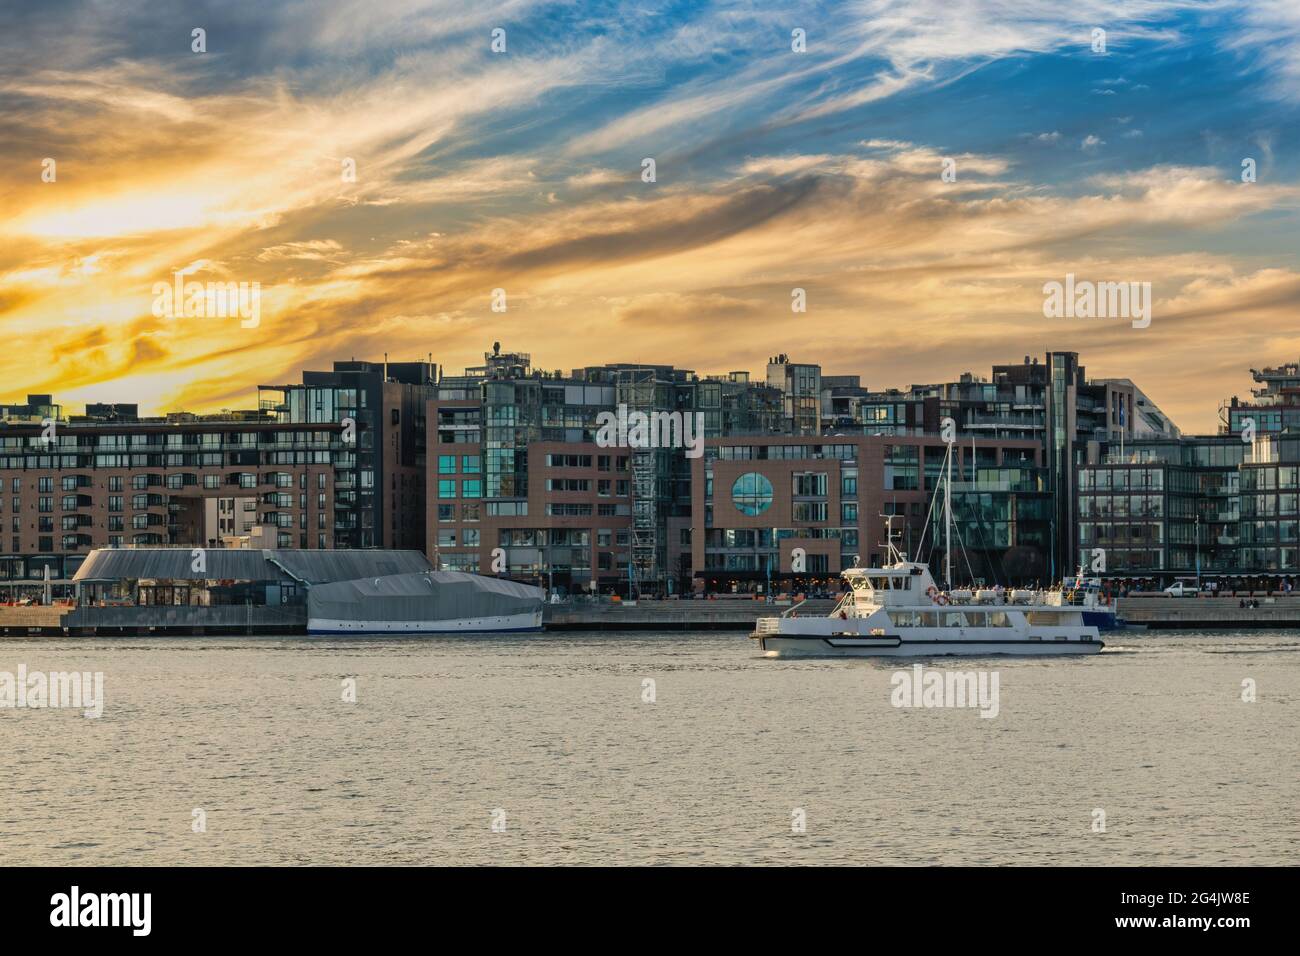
(379, 481)
(1051, 403)
(115, 480)
(795, 511)
(1223, 504)
(523, 487)
(1159, 505)
(1207, 504)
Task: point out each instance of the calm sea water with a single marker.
(554, 730)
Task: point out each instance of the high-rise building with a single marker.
(380, 478)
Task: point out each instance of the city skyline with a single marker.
(522, 170)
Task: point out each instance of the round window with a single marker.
(752, 493)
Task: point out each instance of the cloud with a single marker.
(309, 250)
(819, 170)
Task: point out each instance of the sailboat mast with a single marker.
(947, 521)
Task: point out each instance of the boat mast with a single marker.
(947, 522)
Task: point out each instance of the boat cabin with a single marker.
(907, 583)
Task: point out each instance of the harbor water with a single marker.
(642, 748)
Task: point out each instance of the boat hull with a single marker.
(507, 623)
(816, 645)
(1102, 620)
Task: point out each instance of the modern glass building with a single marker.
(1166, 508)
(380, 475)
(1051, 402)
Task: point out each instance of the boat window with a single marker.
(898, 584)
(999, 619)
(976, 619)
(952, 619)
(903, 618)
(1042, 617)
(861, 584)
(929, 619)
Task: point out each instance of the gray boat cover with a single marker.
(431, 596)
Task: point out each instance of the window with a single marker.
(447, 464)
(469, 464)
(809, 484)
(471, 488)
(809, 511)
(447, 487)
(751, 493)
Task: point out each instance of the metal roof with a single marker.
(431, 596)
(246, 564)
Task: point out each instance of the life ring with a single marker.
(931, 591)
(941, 599)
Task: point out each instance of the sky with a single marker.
(523, 170)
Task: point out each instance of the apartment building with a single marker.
(380, 479)
(113, 479)
(762, 501)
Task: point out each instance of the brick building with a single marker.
(114, 480)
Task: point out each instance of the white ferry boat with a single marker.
(897, 611)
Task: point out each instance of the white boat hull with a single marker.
(897, 611)
(529, 621)
(894, 646)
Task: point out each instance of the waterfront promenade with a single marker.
(1155, 611)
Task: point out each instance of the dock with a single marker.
(16, 621)
(690, 615)
(1164, 611)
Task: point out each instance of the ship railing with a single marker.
(794, 607)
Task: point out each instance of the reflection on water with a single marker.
(555, 738)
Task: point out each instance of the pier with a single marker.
(1165, 611)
